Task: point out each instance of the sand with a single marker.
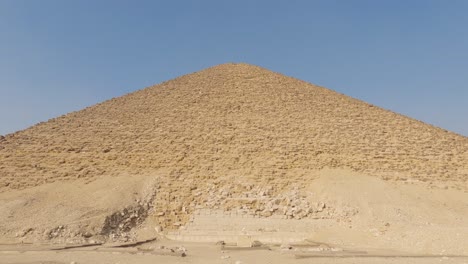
(209, 254)
(240, 154)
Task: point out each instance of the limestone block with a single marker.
(244, 241)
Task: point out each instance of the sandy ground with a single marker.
(207, 254)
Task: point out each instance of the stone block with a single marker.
(244, 241)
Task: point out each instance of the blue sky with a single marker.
(60, 56)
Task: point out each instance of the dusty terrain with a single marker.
(202, 253)
(233, 153)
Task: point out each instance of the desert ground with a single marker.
(209, 253)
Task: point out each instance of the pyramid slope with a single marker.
(232, 120)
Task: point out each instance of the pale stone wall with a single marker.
(232, 227)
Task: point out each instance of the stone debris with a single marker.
(286, 247)
(24, 232)
(181, 249)
(118, 226)
(256, 243)
(158, 229)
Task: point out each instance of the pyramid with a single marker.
(230, 129)
(231, 119)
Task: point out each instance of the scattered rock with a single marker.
(87, 235)
(181, 249)
(256, 243)
(286, 247)
(106, 150)
(24, 232)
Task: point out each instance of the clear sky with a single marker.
(407, 56)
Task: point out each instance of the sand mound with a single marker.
(72, 212)
(235, 138)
